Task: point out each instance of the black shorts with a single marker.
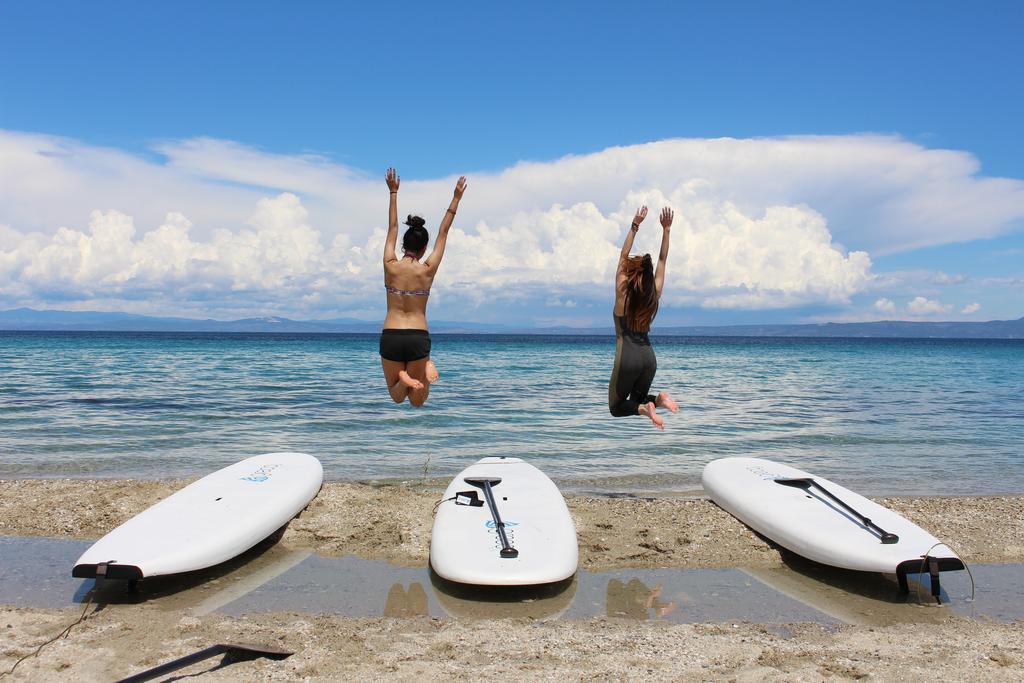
(404, 346)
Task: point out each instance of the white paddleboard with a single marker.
(210, 520)
(803, 518)
(466, 544)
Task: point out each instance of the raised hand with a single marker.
(392, 179)
(666, 218)
(641, 214)
(460, 187)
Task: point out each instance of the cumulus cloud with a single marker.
(218, 226)
(9, 238)
(884, 305)
(920, 305)
(971, 308)
(276, 256)
(720, 258)
(879, 193)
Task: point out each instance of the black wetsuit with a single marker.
(633, 373)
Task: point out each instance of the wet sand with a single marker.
(120, 641)
(392, 522)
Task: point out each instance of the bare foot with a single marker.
(407, 379)
(431, 371)
(666, 401)
(652, 599)
(649, 411)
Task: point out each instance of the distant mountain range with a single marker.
(27, 319)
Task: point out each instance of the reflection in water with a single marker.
(402, 603)
(546, 601)
(867, 598)
(36, 572)
(634, 600)
(205, 590)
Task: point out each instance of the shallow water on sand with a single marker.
(36, 572)
(881, 416)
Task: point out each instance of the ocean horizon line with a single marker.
(52, 320)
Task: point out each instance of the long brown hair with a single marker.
(641, 296)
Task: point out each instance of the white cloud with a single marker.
(920, 305)
(719, 258)
(9, 237)
(879, 193)
(884, 305)
(1003, 281)
(215, 226)
(941, 278)
(277, 257)
(971, 308)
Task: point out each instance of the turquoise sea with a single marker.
(881, 416)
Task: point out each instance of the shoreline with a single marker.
(438, 483)
(570, 488)
(393, 522)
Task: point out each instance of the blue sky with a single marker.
(478, 88)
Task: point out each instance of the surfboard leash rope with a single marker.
(443, 500)
(63, 634)
(924, 559)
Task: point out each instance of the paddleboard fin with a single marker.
(106, 570)
(933, 565)
(933, 574)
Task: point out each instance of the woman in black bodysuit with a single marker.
(638, 288)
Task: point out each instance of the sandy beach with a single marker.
(392, 522)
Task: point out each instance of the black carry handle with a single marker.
(507, 551)
(806, 483)
(235, 651)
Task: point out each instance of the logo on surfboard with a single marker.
(763, 473)
(490, 524)
(261, 474)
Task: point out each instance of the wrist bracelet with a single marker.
(394, 191)
(635, 226)
(450, 211)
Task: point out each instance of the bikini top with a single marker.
(410, 292)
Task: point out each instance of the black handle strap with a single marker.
(806, 483)
(507, 551)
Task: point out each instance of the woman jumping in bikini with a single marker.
(405, 341)
(638, 289)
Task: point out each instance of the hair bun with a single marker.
(416, 237)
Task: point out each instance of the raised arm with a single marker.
(630, 235)
(389, 244)
(627, 244)
(659, 273)
(434, 260)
